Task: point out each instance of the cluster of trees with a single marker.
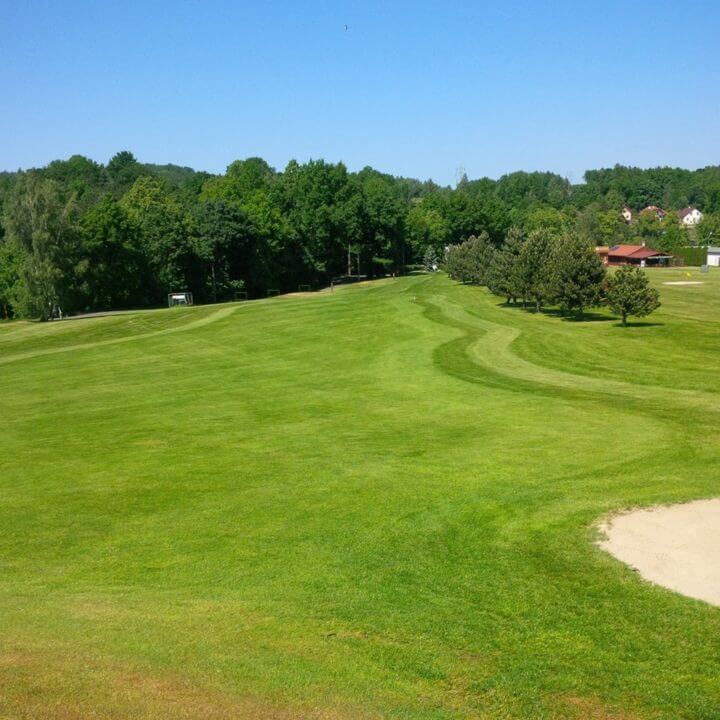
(547, 269)
(87, 236)
(84, 236)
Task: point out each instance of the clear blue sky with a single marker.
(418, 88)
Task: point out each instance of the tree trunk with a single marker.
(624, 319)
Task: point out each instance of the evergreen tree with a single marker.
(574, 275)
(502, 276)
(430, 259)
(470, 261)
(629, 293)
(453, 263)
(530, 268)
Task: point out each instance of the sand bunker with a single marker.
(677, 546)
(684, 282)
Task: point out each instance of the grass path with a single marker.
(491, 348)
(191, 325)
(373, 503)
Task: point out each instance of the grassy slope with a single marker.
(373, 503)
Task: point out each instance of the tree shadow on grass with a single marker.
(587, 316)
(639, 324)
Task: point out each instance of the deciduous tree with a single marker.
(629, 293)
(114, 271)
(41, 233)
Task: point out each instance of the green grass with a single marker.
(378, 502)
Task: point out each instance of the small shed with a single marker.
(713, 256)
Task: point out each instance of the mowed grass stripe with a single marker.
(304, 507)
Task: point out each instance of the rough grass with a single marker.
(378, 502)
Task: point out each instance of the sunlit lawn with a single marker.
(377, 502)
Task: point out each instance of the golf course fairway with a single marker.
(381, 502)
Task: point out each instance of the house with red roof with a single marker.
(654, 210)
(632, 255)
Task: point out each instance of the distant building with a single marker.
(627, 214)
(713, 256)
(690, 216)
(654, 210)
(632, 255)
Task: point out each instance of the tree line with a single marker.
(86, 236)
(543, 269)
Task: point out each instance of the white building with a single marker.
(690, 216)
(713, 256)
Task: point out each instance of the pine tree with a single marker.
(629, 293)
(530, 268)
(470, 261)
(430, 259)
(502, 277)
(574, 275)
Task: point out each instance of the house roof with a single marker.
(713, 250)
(639, 252)
(685, 211)
(653, 209)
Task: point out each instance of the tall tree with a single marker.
(316, 200)
(502, 276)
(426, 227)
(165, 235)
(114, 272)
(375, 218)
(530, 268)
(8, 279)
(79, 176)
(41, 233)
(708, 231)
(472, 261)
(574, 275)
(231, 249)
(123, 170)
(548, 219)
